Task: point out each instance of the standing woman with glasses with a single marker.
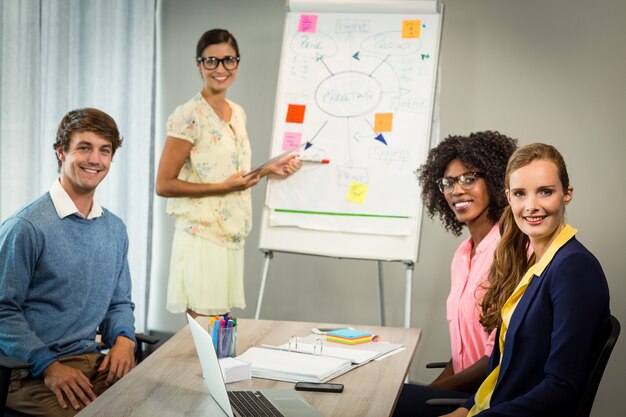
(551, 310)
(202, 171)
(462, 182)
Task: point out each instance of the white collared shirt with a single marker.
(64, 205)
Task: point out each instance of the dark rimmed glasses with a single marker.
(466, 180)
(211, 62)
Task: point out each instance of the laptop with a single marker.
(288, 403)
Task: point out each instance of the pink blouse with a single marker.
(469, 340)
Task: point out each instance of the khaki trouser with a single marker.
(28, 394)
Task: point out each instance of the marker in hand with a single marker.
(315, 161)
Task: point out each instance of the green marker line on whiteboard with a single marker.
(328, 213)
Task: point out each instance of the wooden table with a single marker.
(169, 382)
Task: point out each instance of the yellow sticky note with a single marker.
(411, 28)
(382, 122)
(357, 192)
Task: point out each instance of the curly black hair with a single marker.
(487, 152)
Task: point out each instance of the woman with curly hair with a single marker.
(462, 183)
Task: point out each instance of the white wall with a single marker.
(537, 70)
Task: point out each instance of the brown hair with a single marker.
(86, 120)
(510, 261)
(214, 37)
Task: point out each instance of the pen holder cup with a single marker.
(226, 342)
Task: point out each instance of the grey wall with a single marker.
(537, 70)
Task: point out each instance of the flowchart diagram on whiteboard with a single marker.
(357, 90)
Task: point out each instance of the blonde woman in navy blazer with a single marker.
(551, 310)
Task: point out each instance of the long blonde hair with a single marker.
(510, 261)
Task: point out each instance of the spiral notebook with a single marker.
(357, 354)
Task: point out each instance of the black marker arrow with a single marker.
(309, 142)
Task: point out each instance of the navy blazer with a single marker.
(554, 336)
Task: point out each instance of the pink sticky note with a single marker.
(291, 140)
(308, 23)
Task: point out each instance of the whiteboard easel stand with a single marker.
(268, 254)
(408, 288)
(385, 19)
(408, 291)
(381, 298)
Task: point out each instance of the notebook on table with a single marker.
(264, 402)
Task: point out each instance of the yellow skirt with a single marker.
(204, 277)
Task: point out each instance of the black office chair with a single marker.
(433, 365)
(585, 402)
(593, 382)
(8, 364)
(442, 401)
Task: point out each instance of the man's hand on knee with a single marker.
(62, 379)
(120, 360)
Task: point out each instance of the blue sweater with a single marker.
(60, 279)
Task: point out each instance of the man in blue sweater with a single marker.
(63, 274)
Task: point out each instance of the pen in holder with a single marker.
(224, 335)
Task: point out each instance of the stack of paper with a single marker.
(293, 367)
(234, 370)
(348, 336)
(359, 354)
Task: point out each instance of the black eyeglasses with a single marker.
(211, 62)
(466, 180)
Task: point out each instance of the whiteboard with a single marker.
(356, 87)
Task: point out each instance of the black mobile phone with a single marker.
(316, 386)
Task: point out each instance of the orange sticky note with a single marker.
(357, 192)
(295, 113)
(411, 28)
(382, 122)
